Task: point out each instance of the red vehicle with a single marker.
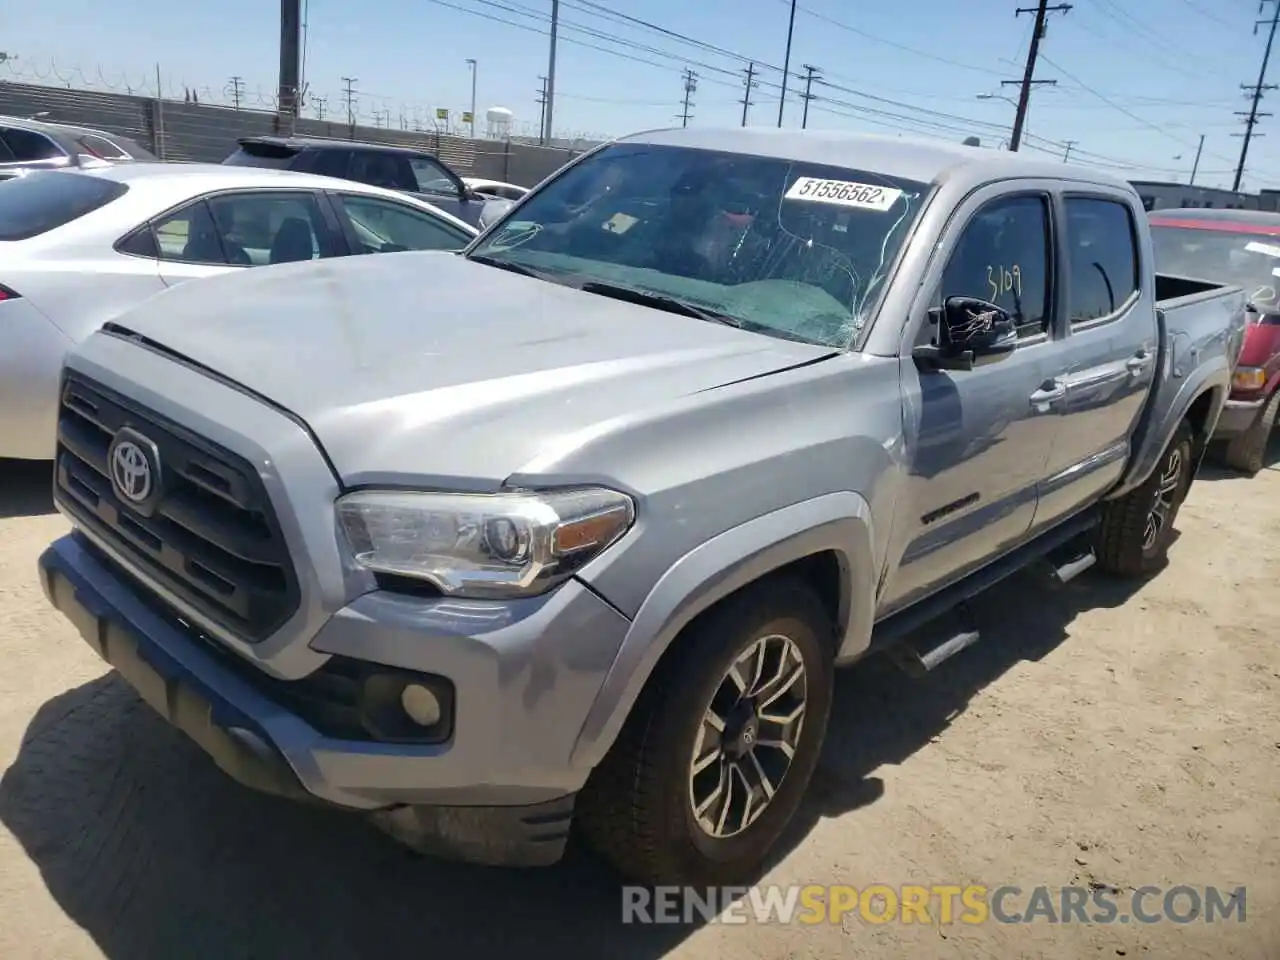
(1238, 247)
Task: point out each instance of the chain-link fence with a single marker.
(176, 130)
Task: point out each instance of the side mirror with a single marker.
(969, 333)
(494, 209)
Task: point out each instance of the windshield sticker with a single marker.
(1270, 249)
(619, 223)
(843, 193)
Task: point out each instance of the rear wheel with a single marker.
(714, 759)
(1137, 528)
(1246, 452)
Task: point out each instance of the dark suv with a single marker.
(380, 164)
(37, 145)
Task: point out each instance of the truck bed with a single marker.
(1201, 326)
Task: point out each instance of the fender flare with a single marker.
(840, 522)
(1213, 376)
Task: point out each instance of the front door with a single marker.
(977, 443)
(1109, 353)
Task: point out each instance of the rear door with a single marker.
(1108, 360)
(248, 228)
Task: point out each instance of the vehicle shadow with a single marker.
(26, 488)
(151, 849)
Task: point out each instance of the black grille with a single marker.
(211, 535)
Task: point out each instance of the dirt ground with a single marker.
(1100, 733)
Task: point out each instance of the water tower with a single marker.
(499, 123)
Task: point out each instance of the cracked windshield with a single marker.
(792, 250)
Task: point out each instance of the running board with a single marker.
(1068, 571)
(903, 624)
(916, 662)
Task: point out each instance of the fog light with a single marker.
(421, 705)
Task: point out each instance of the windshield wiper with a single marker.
(508, 265)
(661, 301)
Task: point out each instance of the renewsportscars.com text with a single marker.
(933, 904)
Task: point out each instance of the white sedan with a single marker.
(79, 247)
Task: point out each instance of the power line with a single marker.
(944, 121)
(690, 85)
(811, 74)
(786, 62)
(750, 84)
(1028, 75)
(349, 96)
(550, 84)
(1251, 118)
(235, 86)
(542, 110)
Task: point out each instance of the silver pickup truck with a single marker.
(731, 409)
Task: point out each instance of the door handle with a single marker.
(1050, 392)
(1138, 363)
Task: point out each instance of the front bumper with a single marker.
(1237, 417)
(499, 791)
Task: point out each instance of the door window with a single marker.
(381, 169)
(29, 146)
(1102, 253)
(382, 226)
(431, 177)
(326, 163)
(1003, 257)
(246, 229)
(189, 236)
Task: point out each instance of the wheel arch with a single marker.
(827, 540)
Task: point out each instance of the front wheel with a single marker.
(1137, 529)
(714, 759)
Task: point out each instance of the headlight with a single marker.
(1249, 378)
(483, 545)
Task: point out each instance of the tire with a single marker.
(1246, 452)
(1126, 547)
(637, 809)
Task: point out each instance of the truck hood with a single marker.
(426, 366)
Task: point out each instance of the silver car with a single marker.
(81, 246)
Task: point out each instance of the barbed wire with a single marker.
(367, 109)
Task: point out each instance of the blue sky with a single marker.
(1138, 81)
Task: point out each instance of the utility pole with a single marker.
(319, 103)
(475, 68)
(235, 86)
(1028, 74)
(1196, 165)
(1066, 154)
(1257, 90)
(690, 85)
(786, 62)
(751, 84)
(550, 80)
(290, 86)
(811, 73)
(542, 111)
(349, 95)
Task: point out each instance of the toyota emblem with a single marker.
(131, 471)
